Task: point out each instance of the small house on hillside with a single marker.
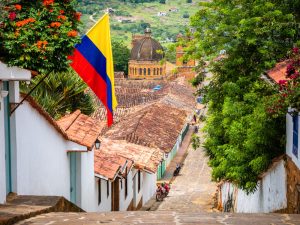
(162, 14)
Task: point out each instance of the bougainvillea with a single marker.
(38, 35)
(288, 89)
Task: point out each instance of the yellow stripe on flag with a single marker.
(99, 34)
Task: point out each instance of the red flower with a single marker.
(62, 17)
(77, 16)
(72, 33)
(55, 24)
(24, 22)
(18, 7)
(48, 2)
(12, 16)
(61, 11)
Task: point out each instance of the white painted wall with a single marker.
(42, 162)
(90, 187)
(2, 151)
(269, 196)
(289, 141)
(125, 201)
(149, 186)
(137, 195)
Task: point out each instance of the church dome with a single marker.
(147, 49)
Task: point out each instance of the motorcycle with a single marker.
(162, 191)
(177, 170)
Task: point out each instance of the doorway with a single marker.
(115, 195)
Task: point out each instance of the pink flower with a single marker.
(290, 70)
(295, 50)
(12, 16)
(282, 82)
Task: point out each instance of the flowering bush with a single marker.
(39, 34)
(289, 89)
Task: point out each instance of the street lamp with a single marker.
(97, 144)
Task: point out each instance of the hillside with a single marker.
(128, 18)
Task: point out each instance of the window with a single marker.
(145, 71)
(141, 71)
(99, 191)
(126, 184)
(135, 71)
(107, 188)
(157, 71)
(295, 134)
(139, 181)
(149, 71)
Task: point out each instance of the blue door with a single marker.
(73, 177)
(7, 140)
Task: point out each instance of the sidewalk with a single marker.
(179, 158)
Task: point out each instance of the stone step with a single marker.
(22, 207)
(162, 217)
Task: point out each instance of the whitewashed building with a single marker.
(9, 77)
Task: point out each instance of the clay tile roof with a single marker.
(81, 128)
(157, 125)
(279, 71)
(109, 165)
(144, 158)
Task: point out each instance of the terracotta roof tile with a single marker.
(279, 71)
(144, 158)
(81, 128)
(157, 125)
(107, 164)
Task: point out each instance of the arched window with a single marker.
(160, 71)
(135, 73)
(154, 71)
(141, 71)
(145, 71)
(149, 71)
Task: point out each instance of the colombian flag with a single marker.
(92, 60)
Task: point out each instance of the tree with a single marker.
(242, 137)
(39, 35)
(121, 56)
(189, 1)
(61, 93)
(162, 1)
(186, 15)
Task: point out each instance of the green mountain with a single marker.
(133, 16)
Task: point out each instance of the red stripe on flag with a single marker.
(92, 78)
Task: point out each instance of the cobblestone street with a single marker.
(193, 189)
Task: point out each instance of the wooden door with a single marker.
(115, 195)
